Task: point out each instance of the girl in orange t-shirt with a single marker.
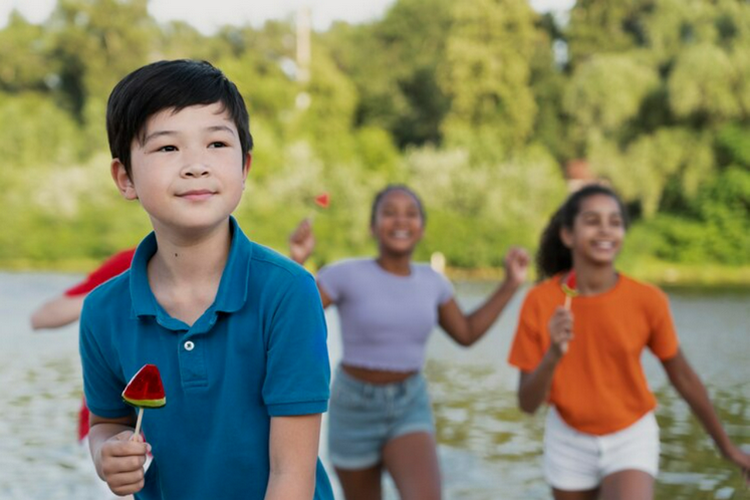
(601, 437)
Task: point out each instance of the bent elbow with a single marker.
(526, 406)
(527, 409)
(466, 342)
(37, 323)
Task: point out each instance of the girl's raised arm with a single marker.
(467, 329)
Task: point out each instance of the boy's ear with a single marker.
(566, 236)
(122, 180)
(246, 167)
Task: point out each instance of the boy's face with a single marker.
(189, 172)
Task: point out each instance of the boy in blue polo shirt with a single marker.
(236, 330)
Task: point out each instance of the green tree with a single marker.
(23, 52)
(96, 43)
(606, 26)
(41, 135)
(702, 85)
(643, 170)
(393, 63)
(605, 93)
(486, 73)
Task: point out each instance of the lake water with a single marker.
(488, 449)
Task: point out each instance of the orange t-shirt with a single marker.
(598, 386)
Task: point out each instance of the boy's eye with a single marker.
(167, 148)
(217, 144)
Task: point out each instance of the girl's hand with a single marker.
(302, 242)
(516, 265)
(560, 330)
(741, 459)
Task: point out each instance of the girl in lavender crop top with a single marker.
(386, 319)
(379, 412)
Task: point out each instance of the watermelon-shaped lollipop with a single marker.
(145, 390)
(322, 200)
(570, 290)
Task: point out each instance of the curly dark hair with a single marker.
(553, 256)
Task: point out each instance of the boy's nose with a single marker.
(195, 168)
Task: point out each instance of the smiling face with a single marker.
(398, 225)
(598, 231)
(188, 169)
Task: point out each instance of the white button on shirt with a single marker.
(189, 345)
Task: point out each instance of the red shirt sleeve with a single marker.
(115, 265)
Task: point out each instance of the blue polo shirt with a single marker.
(258, 352)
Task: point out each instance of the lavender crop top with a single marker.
(386, 319)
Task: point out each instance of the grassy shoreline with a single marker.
(660, 273)
(666, 274)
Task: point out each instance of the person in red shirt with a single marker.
(601, 437)
(66, 308)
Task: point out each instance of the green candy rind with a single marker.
(146, 403)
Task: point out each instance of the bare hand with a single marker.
(302, 242)
(122, 463)
(560, 330)
(516, 265)
(741, 459)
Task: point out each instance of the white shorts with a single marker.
(575, 461)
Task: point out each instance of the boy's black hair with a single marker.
(169, 85)
(553, 256)
(396, 187)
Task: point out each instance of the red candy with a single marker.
(322, 200)
(569, 285)
(145, 389)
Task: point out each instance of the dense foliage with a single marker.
(477, 104)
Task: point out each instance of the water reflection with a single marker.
(488, 449)
(477, 420)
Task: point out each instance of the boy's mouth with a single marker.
(197, 194)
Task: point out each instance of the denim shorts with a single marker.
(575, 461)
(363, 417)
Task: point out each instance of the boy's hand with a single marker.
(302, 242)
(121, 463)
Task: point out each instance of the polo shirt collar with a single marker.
(235, 279)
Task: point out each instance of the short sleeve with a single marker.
(115, 265)
(445, 289)
(101, 384)
(331, 280)
(297, 367)
(528, 346)
(663, 341)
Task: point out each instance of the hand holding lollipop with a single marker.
(302, 240)
(144, 390)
